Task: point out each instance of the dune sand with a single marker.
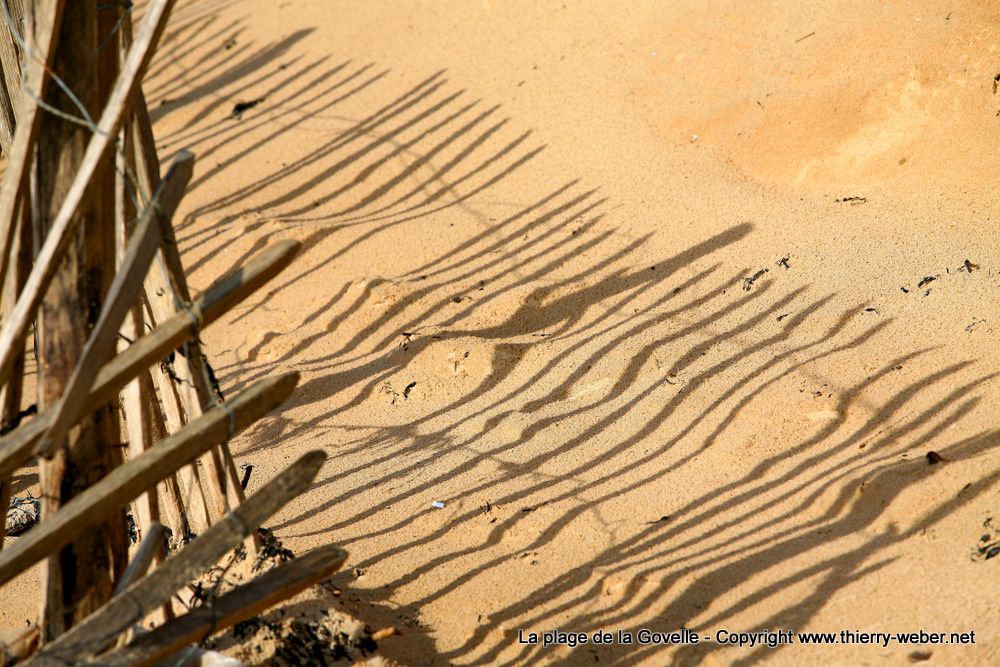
(529, 229)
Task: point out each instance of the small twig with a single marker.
(748, 282)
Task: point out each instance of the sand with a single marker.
(528, 229)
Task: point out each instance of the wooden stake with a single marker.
(93, 505)
(151, 545)
(166, 287)
(12, 393)
(193, 499)
(7, 122)
(131, 607)
(139, 410)
(189, 391)
(136, 401)
(139, 401)
(11, 89)
(173, 504)
(181, 393)
(15, 178)
(80, 577)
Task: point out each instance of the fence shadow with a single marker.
(552, 379)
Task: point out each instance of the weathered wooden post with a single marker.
(80, 578)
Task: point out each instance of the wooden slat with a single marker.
(136, 399)
(166, 287)
(190, 391)
(10, 90)
(127, 481)
(173, 504)
(239, 604)
(151, 545)
(4, 506)
(136, 602)
(15, 178)
(48, 259)
(11, 394)
(176, 410)
(148, 173)
(189, 483)
(16, 448)
(7, 123)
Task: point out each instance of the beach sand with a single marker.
(542, 284)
